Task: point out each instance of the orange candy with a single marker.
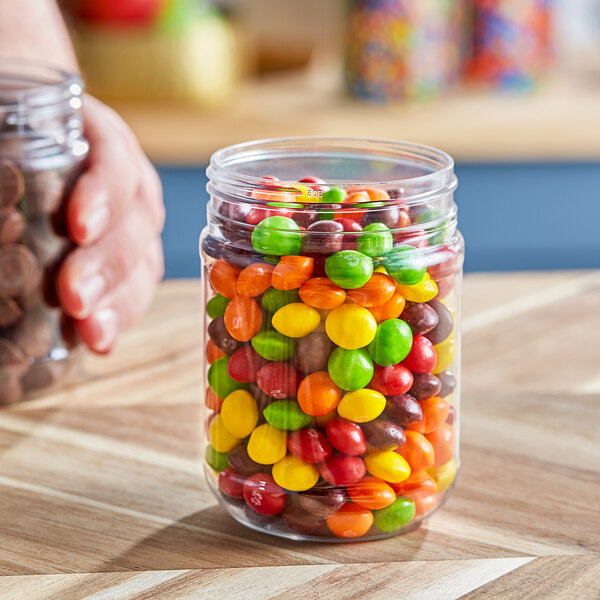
(392, 309)
(424, 501)
(243, 318)
(213, 402)
(318, 395)
(350, 521)
(376, 292)
(417, 480)
(442, 440)
(223, 277)
(372, 493)
(254, 279)
(417, 451)
(435, 412)
(375, 194)
(322, 293)
(353, 198)
(292, 272)
(212, 352)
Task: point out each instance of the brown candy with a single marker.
(425, 385)
(44, 374)
(13, 362)
(19, 270)
(10, 311)
(48, 247)
(313, 351)
(300, 520)
(44, 191)
(448, 383)
(403, 409)
(12, 225)
(420, 317)
(445, 323)
(33, 335)
(383, 434)
(11, 183)
(239, 460)
(11, 391)
(221, 338)
(322, 501)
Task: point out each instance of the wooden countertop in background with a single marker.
(101, 491)
(560, 121)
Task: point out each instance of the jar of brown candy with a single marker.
(42, 150)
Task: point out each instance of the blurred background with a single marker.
(510, 88)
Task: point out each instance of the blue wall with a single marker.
(525, 216)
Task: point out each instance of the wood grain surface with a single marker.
(101, 492)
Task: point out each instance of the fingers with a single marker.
(117, 172)
(122, 307)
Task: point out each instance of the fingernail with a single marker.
(108, 325)
(90, 292)
(96, 222)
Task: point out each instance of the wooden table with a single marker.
(101, 493)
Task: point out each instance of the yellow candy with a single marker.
(424, 291)
(296, 320)
(387, 465)
(350, 326)
(294, 474)
(380, 269)
(444, 475)
(308, 194)
(361, 405)
(239, 413)
(220, 438)
(445, 354)
(267, 445)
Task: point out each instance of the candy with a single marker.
(215, 459)
(263, 495)
(351, 326)
(435, 411)
(300, 520)
(424, 501)
(350, 521)
(254, 280)
(272, 345)
(376, 240)
(383, 434)
(276, 236)
(442, 441)
(239, 413)
(425, 385)
(376, 292)
(349, 240)
(404, 265)
(424, 291)
(372, 493)
(318, 394)
(231, 483)
(418, 451)
(310, 445)
(273, 299)
(324, 238)
(212, 401)
(356, 197)
(445, 354)
(350, 369)
(418, 480)
(278, 380)
(346, 436)
(292, 272)
(294, 474)
(387, 465)
(392, 309)
(361, 405)
(286, 414)
(267, 444)
(404, 409)
(243, 318)
(322, 501)
(220, 437)
(448, 383)
(420, 317)
(223, 278)
(313, 351)
(240, 461)
(391, 342)
(422, 357)
(296, 320)
(443, 475)
(216, 306)
(349, 269)
(321, 292)
(445, 323)
(244, 364)
(391, 380)
(395, 516)
(342, 470)
(212, 352)
(221, 338)
(219, 380)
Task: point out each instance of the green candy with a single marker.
(216, 306)
(350, 369)
(273, 345)
(286, 414)
(395, 516)
(215, 459)
(375, 240)
(277, 235)
(392, 342)
(349, 269)
(333, 196)
(404, 265)
(274, 299)
(220, 382)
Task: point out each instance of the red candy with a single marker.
(309, 445)
(231, 483)
(422, 356)
(391, 381)
(278, 380)
(244, 364)
(343, 470)
(263, 495)
(346, 436)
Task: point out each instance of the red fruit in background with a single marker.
(309, 445)
(263, 495)
(422, 356)
(244, 364)
(391, 381)
(118, 12)
(346, 436)
(343, 470)
(231, 483)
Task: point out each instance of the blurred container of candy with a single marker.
(403, 49)
(512, 43)
(175, 50)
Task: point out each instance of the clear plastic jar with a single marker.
(42, 150)
(331, 272)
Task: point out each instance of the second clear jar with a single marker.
(331, 282)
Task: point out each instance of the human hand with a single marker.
(115, 215)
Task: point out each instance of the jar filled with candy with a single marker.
(42, 149)
(331, 272)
